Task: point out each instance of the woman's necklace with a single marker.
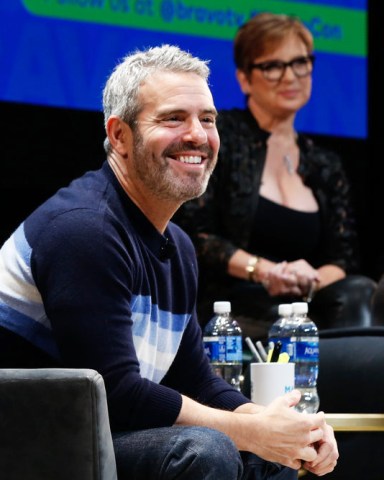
(280, 144)
(288, 164)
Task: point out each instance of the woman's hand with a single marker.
(307, 277)
(297, 278)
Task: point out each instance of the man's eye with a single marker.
(208, 120)
(173, 118)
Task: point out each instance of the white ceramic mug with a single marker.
(270, 380)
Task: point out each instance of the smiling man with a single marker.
(99, 277)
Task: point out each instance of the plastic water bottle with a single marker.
(299, 338)
(306, 358)
(283, 330)
(280, 330)
(222, 338)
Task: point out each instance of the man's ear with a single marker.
(119, 134)
(243, 81)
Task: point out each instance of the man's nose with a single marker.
(195, 132)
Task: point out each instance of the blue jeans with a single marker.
(189, 453)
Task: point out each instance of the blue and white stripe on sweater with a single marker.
(156, 335)
(21, 306)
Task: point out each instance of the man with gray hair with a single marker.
(99, 277)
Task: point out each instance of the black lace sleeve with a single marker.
(323, 172)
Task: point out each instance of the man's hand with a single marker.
(328, 454)
(280, 434)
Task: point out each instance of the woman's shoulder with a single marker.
(322, 168)
(231, 114)
(239, 130)
(319, 155)
(236, 119)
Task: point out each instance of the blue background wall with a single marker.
(46, 146)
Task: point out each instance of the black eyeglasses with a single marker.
(275, 69)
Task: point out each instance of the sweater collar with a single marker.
(161, 245)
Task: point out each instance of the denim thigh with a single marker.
(189, 453)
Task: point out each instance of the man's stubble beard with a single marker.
(158, 176)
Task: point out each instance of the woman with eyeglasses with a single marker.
(275, 224)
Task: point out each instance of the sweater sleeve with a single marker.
(192, 375)
(85, 277)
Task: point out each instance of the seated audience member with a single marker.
(276, 224)
(98, 277)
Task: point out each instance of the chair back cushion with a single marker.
(351, 378)
(54, 425)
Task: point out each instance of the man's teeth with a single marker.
(190, 159)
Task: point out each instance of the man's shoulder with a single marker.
(72, 208)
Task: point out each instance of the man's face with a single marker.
(175, 141)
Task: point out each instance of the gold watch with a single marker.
(251, 267)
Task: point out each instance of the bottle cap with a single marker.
(285, 309)
(300, 307)
(222, 307)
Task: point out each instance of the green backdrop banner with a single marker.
(336, 29)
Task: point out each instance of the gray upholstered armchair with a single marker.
(54, 425)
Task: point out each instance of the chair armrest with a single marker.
(356, 422)
(54, 424)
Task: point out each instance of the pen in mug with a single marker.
(261, 349)
(276, 351)
(254, 352)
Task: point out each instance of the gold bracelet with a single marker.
(251, 267)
